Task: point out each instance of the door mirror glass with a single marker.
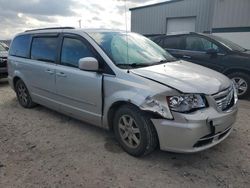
(88, 64)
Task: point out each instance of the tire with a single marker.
(242, 81)
(23, 95)
(138, 125)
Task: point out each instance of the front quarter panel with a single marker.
(129, 88)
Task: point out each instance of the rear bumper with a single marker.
(190, 133)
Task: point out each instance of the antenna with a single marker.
(126, 24)
(80, 23)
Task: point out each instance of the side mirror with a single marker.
(88, 64)
(212, 51)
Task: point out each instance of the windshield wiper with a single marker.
(133, 65)
(136, 65)
(164, 61)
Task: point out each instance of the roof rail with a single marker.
(49, 28)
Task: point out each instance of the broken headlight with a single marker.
(186, 103)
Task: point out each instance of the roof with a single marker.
(156, 4)
(61, 29)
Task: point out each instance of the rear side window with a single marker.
(194, 43)
(44, 49)
(20, 46)
(173, 42)
(73, 50)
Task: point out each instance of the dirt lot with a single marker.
(42, 148)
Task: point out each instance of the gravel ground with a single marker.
(42, 148)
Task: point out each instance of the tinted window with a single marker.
(20, 46)
(199, 44)
(2, 49)
(73, 50)
(228, 43)
(173, 43)
(44, 49)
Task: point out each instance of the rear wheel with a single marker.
(23, 95)
(242, 83)
(134, 131)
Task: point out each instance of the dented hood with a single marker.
(185, 77)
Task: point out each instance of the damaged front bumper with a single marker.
(198, 131)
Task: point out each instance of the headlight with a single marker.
(186, 103)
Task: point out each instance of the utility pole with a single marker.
(80, 23)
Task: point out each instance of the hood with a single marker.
(3, 54)
(186, 77)
(244, 54)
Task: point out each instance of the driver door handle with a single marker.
(49, 71)
(61, 74)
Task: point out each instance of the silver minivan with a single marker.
(124, 82)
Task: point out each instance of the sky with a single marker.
(20, 15)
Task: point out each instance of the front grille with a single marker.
(225, 99)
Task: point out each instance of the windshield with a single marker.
(2, 49)
(229, 44)
(130, 49)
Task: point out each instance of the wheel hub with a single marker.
(241, 85)
(129, 131)
(22, 93)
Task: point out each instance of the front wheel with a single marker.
(134, 131)
(242, 83)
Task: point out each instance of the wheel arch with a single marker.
(111, 112)
(233, 70)
(15, 79)
(17, 75)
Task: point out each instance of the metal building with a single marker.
(227, 18)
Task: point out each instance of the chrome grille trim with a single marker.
(225, 99)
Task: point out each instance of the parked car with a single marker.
(3, 61)
(126, 83)
(213, 52)
(5, 45)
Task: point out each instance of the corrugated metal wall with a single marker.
(231, 13)
(153, 19)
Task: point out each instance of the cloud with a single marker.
(95, 18)
(39, 7)
(97, 6)
(19, 15)
(116, 23)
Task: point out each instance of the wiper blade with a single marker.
(133, 65)
(164, 61)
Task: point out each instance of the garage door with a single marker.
(175, 25)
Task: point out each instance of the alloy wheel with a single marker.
(129, 131)
(22, 93)
(241, 85)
